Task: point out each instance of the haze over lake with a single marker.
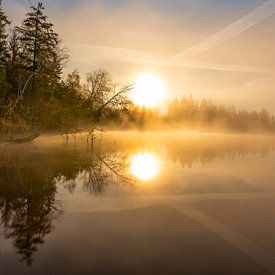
(137, 137)
(79, 209)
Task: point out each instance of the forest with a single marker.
(36, 96)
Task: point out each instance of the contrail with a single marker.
(231, 31)
(89, 54)
(94, 52)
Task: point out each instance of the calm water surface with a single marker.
(138, 203)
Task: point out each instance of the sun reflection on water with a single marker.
(145, 166)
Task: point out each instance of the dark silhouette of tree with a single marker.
(37, 60)
(40, 51)
(15, 68)
(104, 96)
(4, 55)
(97, 169)
(4, 22)
(34, 98)
(28, 208)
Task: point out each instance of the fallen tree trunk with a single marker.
(29, 138)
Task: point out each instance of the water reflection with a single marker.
(28, 188)
(95, 172)
(145, 166)
(30, 177)
(27, 207)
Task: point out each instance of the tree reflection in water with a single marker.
(95, 170)
(28, 208)
(28, 188)
(30, 177)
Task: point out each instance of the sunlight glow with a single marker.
(144, 166)
(149, 90)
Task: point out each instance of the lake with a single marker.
(138, 203)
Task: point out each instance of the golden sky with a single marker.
(218, 49)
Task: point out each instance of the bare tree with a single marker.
(105, 97)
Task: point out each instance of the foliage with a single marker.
(35, 95)
(205, 114)
(4, 53)
(33, 92)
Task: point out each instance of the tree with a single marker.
(70, 97)
(207, 115)
(35, 67)
(40, 53)
(4, 53)
(105, 97)
(14, 68)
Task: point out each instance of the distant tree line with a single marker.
(204, 114)
(36, 96)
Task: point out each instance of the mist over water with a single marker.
(137, 137)
(56, 195)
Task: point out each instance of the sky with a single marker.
(222, 50)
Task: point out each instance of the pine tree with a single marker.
(14, 70)
(4, 54)
(4, 22)
(40, 53)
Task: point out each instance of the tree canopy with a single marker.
(36, 95)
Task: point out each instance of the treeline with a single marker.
(35, 95)
(204, 114)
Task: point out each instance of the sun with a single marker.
(149, 90)
(145, 166)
